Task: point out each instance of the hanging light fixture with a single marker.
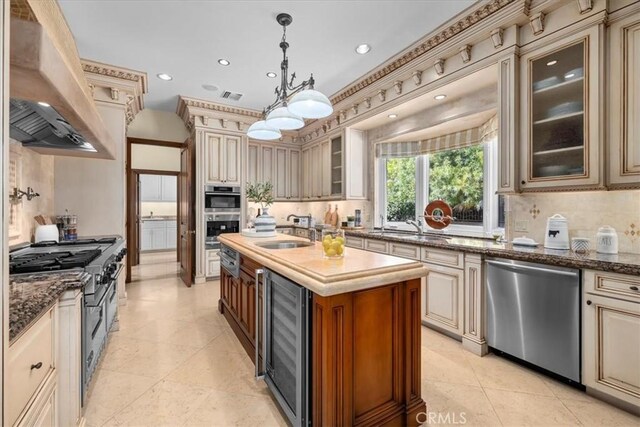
(293, 103)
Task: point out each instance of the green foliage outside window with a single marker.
(401, 189)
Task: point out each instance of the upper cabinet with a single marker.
(561, 132)
(623, 108)
(158, 188)
(222, 154)
(277, 164)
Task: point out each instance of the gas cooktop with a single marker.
(61, 260)
(49, 243)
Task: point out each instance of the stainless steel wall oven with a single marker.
(222, 199)
(218, 224)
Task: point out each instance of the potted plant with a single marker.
(262, 193)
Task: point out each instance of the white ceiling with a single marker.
(186, 38)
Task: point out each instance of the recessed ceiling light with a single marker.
(569, 75)
(363, 48)
(223, 61)
(271, 74)
(393, 116)
(439, 97)
(164, 76)
(211, 88)
(43, 104)
(550, 63)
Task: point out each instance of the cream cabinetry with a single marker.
(277, 164)
(222, 158)
(305, 174)
(561, 112)
(31, 372)
(623, 118)
(69, 392)
(213, 263)
(611, 335)
(442, 298)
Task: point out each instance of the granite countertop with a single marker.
(31, 295)
(307, 266)
(623, 263)
(159, 218)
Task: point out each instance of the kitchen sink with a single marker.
(284, 244)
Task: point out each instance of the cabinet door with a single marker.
(442, 300)
(169, 186)
(316, 172)
(159, 237)
(293, 179)
(305, 173)
(231, 167)
(355, 165)
(146, 243)
(562, 129)
(234, 294)
(247, 312)
(150, 188)
(253, 163)
(281, 165)
(326, 169)
(624, 102)
(611, 346)
(335, 170)
(171, 237)
(213, 151)
(267, 164)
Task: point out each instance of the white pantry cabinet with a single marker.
(611, 335)
(624, 101)
(222, 158)
(158, 188)
(158, 235)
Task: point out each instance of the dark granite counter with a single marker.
(623, 263)
(30, 295)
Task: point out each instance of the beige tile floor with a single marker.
(176, 362)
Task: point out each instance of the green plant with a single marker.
(260, 192)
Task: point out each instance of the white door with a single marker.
(293, 180)
(150, 188)
(213, 158)
(231, 160)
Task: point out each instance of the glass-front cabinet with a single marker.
(561, 114)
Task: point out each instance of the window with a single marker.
(466, 178)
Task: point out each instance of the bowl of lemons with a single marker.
(333, 243)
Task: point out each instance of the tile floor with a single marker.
(176, 362)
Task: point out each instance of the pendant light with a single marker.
(293, 103)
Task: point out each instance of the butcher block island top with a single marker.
(364, 329)
(357, 270)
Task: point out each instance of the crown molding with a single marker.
(118, 86)
(213, 115)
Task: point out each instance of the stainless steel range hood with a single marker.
(52, 110)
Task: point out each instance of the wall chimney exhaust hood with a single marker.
(52, 110)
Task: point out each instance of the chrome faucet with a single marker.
(417, 224)
(311, 232)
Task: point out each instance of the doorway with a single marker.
(155, 183)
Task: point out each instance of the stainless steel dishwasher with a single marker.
(533, 314)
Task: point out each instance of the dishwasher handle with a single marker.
(531, 268)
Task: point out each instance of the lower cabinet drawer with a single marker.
(44, 411)
(354, 242)
(612, 284)
(443, 257)
(31, 360)
(404, 251)
(376, 246)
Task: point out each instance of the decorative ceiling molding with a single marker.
(198, 111)
(497, 37)
(430, 43)
(117, 80)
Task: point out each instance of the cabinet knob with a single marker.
(523, 182)
(588, 302)
(633, 288)
(36, 366)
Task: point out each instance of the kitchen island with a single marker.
(364, 328)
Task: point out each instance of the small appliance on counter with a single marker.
(46, 233)
(557, 233)
(607, 240)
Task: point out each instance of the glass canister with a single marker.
(333, 243)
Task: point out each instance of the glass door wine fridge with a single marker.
(287, 345)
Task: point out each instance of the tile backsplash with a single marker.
(159, 208)
(585, 213)
(281, 210)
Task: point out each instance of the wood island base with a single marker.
(365, 355)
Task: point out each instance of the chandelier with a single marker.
(293, 104)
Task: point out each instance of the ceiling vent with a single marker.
(231, 95)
